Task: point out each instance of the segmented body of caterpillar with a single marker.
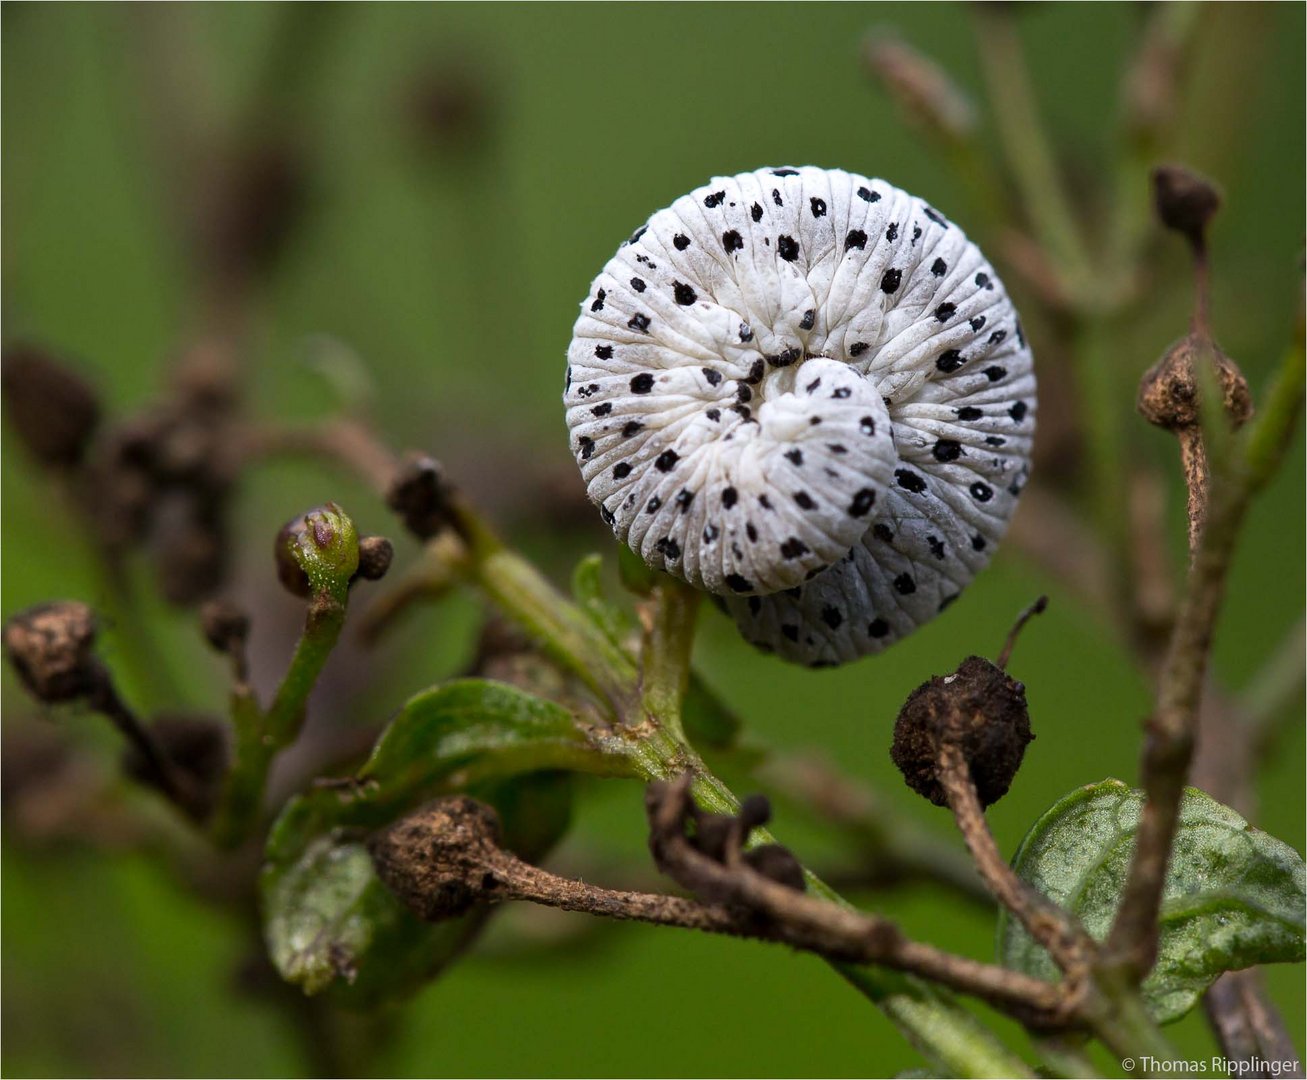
(807, 392)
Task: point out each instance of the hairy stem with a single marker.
(261, 736)
(1029, 156)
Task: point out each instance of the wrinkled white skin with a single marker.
(806, 392)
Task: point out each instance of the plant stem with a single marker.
(261, 736)
(1132, 942)
(1103, 393)
(667, 654)
(1026, 148)
(946, 1033)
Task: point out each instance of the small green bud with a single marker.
(318, 552)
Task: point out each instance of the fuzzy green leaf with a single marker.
(1234, 896)
(478, 729)
(328, 921)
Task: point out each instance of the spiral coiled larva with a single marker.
(807, 392)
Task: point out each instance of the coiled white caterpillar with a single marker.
(806, 392)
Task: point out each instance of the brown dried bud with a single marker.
(1168, 392)
(980, 710)
(191, 548)
(442, 859)
(196, 745)
(257, 201)
(51, 647)
(54, 410)
(225, 625)
(778, 863)
(376, 553)
(451, 107)
(419, 494)
(1186, 202)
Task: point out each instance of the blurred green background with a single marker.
(450, 259)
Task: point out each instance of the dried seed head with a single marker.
(225, 625)
(979, 709)
(1168, 392)
(255, 210)
(51, 646)
(419, 494)
(443, 859)
(317, 551)
(376, 553)
(196, 744)
(1185, 202)
(54, 410)
(190, 545)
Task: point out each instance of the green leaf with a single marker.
(328, 921)
(331, 925)
(1234, 896)
(478, 729)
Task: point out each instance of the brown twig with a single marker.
(1171, 730)
(446, 858)
(1250, 1028)
(894, 846)
(814, 925)
(1047, 923)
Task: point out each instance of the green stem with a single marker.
(1125, 1028)
(261, 736)
(667, 654)
(1270, 433)
(929, 1018)
(1026, 148)
(1144, 138)
(567, 635)
(1104, 394)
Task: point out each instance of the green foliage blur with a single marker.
(445, 245)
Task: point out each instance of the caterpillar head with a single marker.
(808, 393)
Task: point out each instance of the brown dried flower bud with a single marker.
(376, 553)
(1185, 202)
(442, 859)
(54, 410)
(50, 646)
(191, 547)
(419, 494)
(979, 709)
(225, 625)
(1168, 392)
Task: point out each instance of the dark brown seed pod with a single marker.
(53, 409)
(1168, 392)
(419, 494)
(50, 646)
(1185, 202)
(442, 859)
(981, 710)
(376, 553)
(225, 625)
